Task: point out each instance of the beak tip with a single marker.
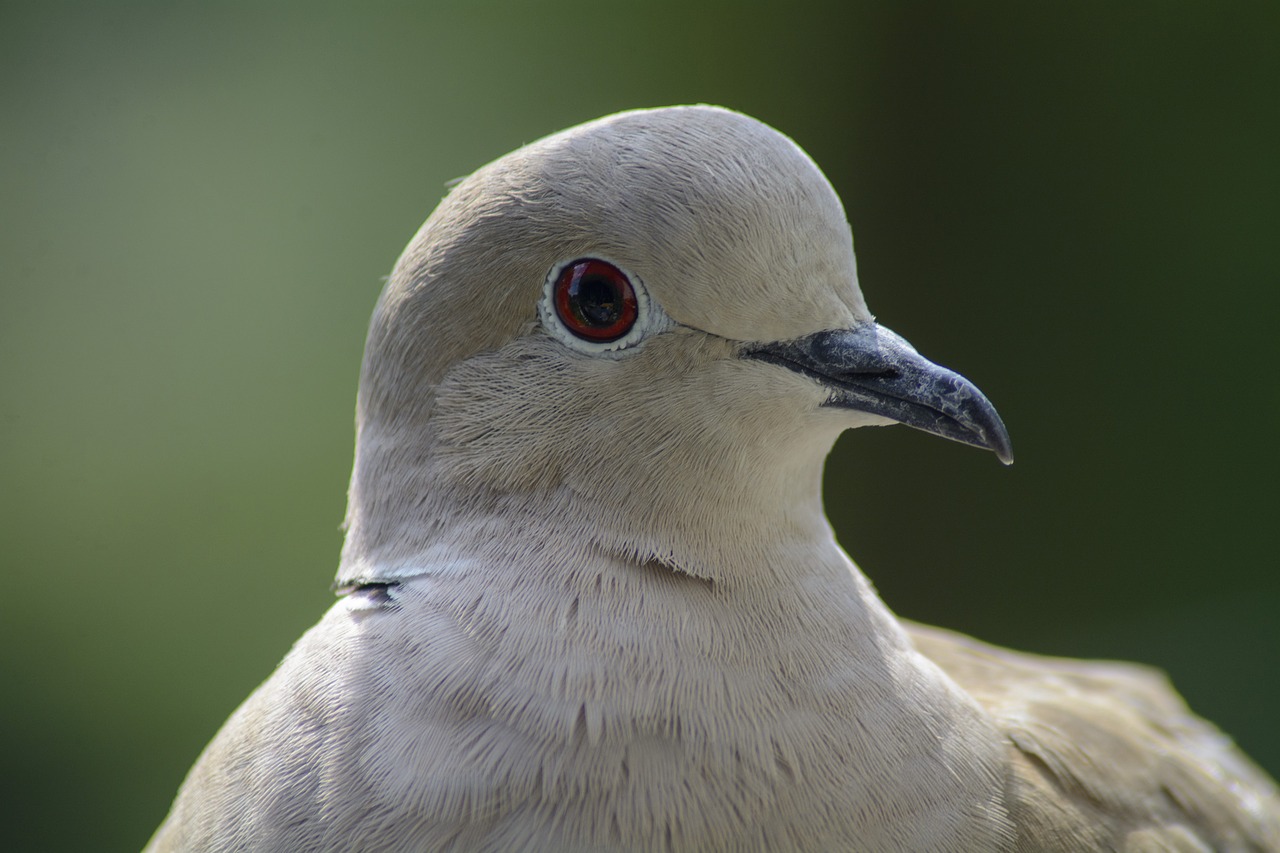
(997, 441)
(1002, 447)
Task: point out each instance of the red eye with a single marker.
(595, 300)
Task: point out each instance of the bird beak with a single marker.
(874, 370)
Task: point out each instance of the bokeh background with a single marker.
(1076, 205)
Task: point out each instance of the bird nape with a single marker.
(589, 599)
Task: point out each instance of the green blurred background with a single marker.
(1075, 205)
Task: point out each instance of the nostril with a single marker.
(887, 373)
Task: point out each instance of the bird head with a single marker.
(644, 333)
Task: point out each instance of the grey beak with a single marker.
(874, 370)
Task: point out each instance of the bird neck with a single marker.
(738, 511)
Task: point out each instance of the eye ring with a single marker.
(608, 311)
(595, 300)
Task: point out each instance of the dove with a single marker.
(588, 597)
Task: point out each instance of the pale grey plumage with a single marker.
(591, 599)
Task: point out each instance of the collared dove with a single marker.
(589, 598)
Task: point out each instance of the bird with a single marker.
(589, 599)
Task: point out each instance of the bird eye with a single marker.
(599, 308)
(595, 300)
